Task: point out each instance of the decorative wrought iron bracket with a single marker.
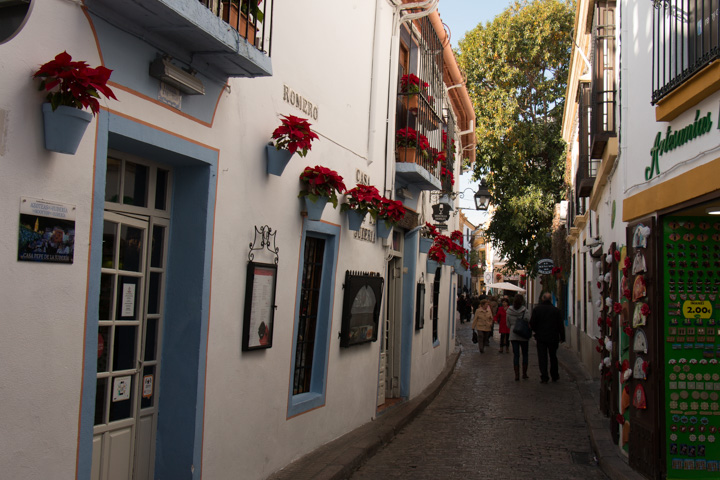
(265, 233)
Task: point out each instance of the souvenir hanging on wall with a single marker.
(639, 369)
(640, 236)
(639, 290)
(638, 317)
(626, 432)
(639, 400)
(625, 313)
(625, 403)
(638, 263)
(640, 343)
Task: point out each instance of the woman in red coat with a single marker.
(501, 319)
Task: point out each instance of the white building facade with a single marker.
(201, 326)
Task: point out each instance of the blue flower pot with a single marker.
(315, 209)
(64, 128)
(425, 244)
(449, 260)
(277, 160)
(432, 266)
(383, 229)
(355, 220)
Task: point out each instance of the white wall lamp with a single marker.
(163, 69)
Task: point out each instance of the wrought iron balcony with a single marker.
(603, 125)
(686, 39)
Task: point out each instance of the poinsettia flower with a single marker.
(436, 254)
(294, 135)
(456, 236)
(322, 182)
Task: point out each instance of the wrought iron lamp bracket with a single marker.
(266, 234)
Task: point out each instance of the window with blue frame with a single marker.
(313, 317)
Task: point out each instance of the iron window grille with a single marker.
(686, 38)
(603, 79)
(587, 166)
(308, 315)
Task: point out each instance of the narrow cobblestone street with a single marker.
(484, 424)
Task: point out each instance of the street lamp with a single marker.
(482, 196)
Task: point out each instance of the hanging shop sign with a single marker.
(300, 102)
(47, 231)
(676, 138)
(545, 266)
(441, 212)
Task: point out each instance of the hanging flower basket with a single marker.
(277, 160)
(425, 244)
(432, 266)
(72, 86)
(64, 127)
(315, 208)
(355, 219)
(383, 228)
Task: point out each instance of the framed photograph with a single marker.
(260, 306)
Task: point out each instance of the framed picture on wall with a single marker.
(258, 321)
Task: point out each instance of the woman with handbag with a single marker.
(518, 319)
(482, 323)
(501, 320)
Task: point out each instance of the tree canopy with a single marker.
(517, 69)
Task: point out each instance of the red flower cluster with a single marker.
(448, 245)
(391, 211)
(322, 182)
(645, 309)
(78, 85)
(410, 83)
(456, 236)
(445, 143)
(294, 135)
(362, 199)
(616, 254)
(410, 138)
(445, 173)
(436, 253)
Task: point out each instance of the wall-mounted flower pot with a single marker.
(277, 160)
(64, 128)
(355, 220)
(425, 244)
(449, 260)
(383, 229)
(432, 266)
(411, 103)
(315, 209)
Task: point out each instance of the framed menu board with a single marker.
(260, 306)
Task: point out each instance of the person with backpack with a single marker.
(515, 314)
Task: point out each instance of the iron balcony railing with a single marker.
(422, 111)
(587, 165)
(686, 38)
(252, 19)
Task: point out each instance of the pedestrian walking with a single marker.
(547, 323)
(503, 327)
(493, 301)
(518, 313)
(482, 323)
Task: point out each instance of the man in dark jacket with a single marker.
(547, 323)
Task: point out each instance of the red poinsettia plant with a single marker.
(410, 83)
(294, 135)
(322, 182)
(390, 211)
(362, 199)
(445, 143)
(74, 84)
(436, 254)
(456, 236)
(447, 174)
(410, 138)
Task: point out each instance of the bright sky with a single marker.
(460, 16)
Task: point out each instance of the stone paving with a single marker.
(484, 424)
